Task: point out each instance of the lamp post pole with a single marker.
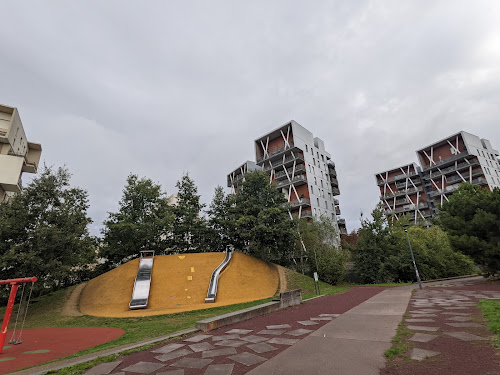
(413, 259)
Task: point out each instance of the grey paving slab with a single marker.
(380, 308)
(422, 337)
(103, 368)
(171, 372)
(173, 355)
(218, 352)
(322, 318)
(239, 331)
(261, 347)
(338, 356)
(247, 359)
(465, 336)
(456, 313)
(201, 347)
(279, 326)
(458, 325)
(459, 318)
(423, 328)
(307, 322)
(456, 308)
(143, 367)
(231, 343)
(168, 348)
(420, 320)
(421, 354)
(361, 327)
(198, 338)
(418, 316)
(226, 337)
(332, 315)
(272, 332)
(299, 332)
(225, 369)
(283, 341)
(254, 339)
(425, 311)
(192, 362)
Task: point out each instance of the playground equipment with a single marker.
(10, 306)
(214, 280)
(142, 283)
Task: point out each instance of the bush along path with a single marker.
(445, 332)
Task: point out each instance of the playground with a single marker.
(78, 320)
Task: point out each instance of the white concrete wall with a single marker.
(10, 172)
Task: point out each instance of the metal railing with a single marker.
(299, 156)
(300, 202)
(275, 153)
(281, 174)
(462, 155)
(300, 178)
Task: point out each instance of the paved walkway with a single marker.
(345, 333)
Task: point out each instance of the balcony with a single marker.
(300, 202)
(337, 210)
(334, 181)
(297, 156)
(281, 175)
(297, 181)
(448, 160)
(402, 192)
(304, 214)
(335, 191)
(454, 168)
(275, 153)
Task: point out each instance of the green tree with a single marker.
(471, 218)
(190, 230)
(143, 222)
(320, 238)
(261, 223)
(219, 222)
(44, 232)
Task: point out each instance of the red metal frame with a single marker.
(10, 305)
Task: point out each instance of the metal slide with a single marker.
(214, 280)
(140, 295)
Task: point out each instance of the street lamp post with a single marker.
(413, 259)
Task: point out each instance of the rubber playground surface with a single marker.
(46, 344)
(180, 283)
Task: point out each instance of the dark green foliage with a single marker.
(190, 229)
(472, 220)
(219, 222)
(44, 232)
(142, 222)
(261, 225)
(383, 255)
(321, 240)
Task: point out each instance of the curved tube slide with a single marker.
(214, 280)
(142, 283)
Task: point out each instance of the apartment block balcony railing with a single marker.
(280, 175)
(452, 188)
(394, 178)
(337, 210)
(335, 190)
(289, 159)
(300, 202)
(403, 192)
(336, 201)
(275, 153)
(454, 168)
(297, 180)
(334, 181)
(303, 214)
(445, 161)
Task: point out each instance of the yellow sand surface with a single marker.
(180, 283)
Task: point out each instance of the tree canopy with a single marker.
(143, 222)
(44, 232)
(471, 218)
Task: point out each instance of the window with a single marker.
(314, 161)
(310, 170)
(321, 174)
(321, 183)
(322, 158)
(312, 152)
(326, 205)
(312, 189)
(307, 149)
(317, 200)
(315, 214)
(317, 154)
(315, 181)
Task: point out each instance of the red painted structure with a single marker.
(10, 305)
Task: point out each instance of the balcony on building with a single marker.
(297, 156)
(296, 181)
(276, 154)
(302, 202)
(439, 170)
(335, 191)
(304, 214)
(447, 161)
(10, 171)
(282, 174)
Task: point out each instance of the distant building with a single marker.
(17, 155)
(301, 168)
(444, 165)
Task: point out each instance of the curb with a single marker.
(450, 278)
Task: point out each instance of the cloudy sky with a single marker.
(159, 88)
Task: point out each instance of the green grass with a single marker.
(296, 280)
(491, 310)
(399, 342)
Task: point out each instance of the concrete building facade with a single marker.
(444, 165)
(17, 154)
